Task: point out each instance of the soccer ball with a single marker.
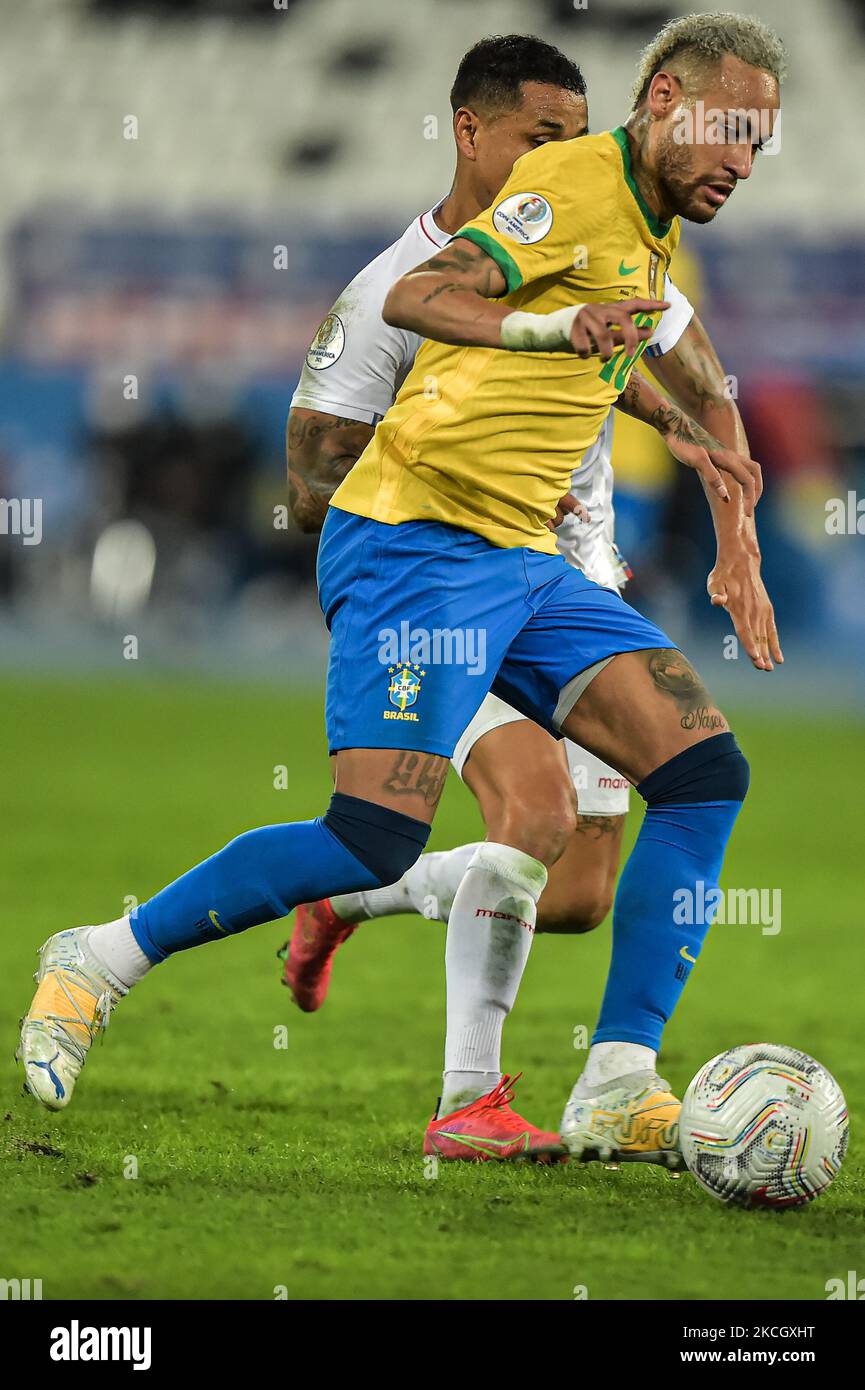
(764, 1125)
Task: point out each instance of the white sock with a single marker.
(490, 931)
(117, 951)
(609, 1060)
(429, 887)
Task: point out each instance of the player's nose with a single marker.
(739, 160)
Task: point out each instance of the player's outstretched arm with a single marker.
(691, 444)
(693, 375)
(451, 298)
(320, 450)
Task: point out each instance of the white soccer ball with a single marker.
(764, 1125)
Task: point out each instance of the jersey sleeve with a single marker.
(539, 223)
(673, 321)
(356, 363)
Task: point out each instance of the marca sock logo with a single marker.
(77, 1343)
(504, 917)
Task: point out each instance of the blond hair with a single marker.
(709, 37)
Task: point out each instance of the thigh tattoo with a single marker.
(596, 827)
(421, 773)
(674, 674)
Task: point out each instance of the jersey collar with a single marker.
(430, 228)
(656, 227)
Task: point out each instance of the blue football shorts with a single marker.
(425, 619)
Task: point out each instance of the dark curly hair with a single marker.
(492, 72)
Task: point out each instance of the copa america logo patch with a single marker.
(524, 217)
(327, 345)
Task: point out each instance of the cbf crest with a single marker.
(403, 689)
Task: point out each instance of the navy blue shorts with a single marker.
(425, 619)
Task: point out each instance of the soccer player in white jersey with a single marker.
(516, 770)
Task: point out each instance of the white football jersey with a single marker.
(357, 363)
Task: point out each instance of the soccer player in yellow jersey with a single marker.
(566, 227)
(576, 222)
(536, 314)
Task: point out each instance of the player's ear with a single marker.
(665, 93)
(465, 132)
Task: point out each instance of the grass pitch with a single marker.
(199, 1160)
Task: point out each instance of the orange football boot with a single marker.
(318, 934)
(489, 1128)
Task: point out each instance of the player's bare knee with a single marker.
(541, 828)
(581, 911)
(583, 917)
(595, 909)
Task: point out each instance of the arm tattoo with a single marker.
(692, 372)
(418, 773)
(461, 254)
(441, 289)
(674, 421)
(689, 431)
(667, 419)
(629, 398)
(472, 268)
(300, 430)
(700, 366)
(321, 450)
(455, 257)
(664, 418)
(675, 675)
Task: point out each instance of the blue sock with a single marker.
(265, 873)
(691, 806)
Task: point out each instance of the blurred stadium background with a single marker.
(187, 184)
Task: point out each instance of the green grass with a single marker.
(260, 1167)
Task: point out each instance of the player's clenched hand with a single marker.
(599, 330)
(736, 585)
(568, 506)
(698, 449)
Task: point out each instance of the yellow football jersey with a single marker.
(487, 439)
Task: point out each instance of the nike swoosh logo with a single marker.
(685, 956)
(216, 922)
(484, 1145)
(627, 269)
